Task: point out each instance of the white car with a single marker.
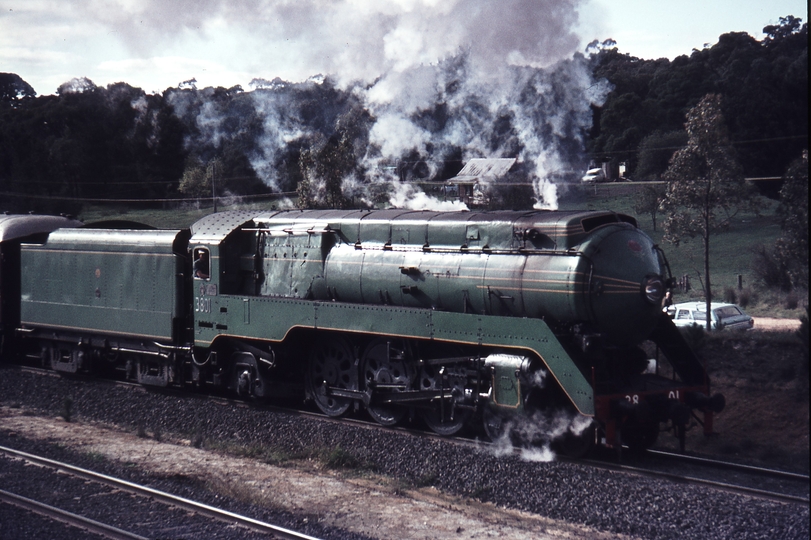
(593, 175)
(727, 316)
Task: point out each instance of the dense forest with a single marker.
(90, 143)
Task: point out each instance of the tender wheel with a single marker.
(386, 369)
(443, 418)
(332, 365)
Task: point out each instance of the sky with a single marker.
(157, 44)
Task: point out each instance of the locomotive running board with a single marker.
(274, 318)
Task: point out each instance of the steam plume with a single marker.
(476, 77)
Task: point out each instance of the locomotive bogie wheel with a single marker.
(331, 364)
(576, 445)
(249, 383)
(385, 362)
(496, 426)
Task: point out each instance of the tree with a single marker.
(788, 26)
(328, 162)
(196, 181)
(655, 152)
(304, 190)
(705, 187)
(648, 201)
(13, 88)
(791, 249)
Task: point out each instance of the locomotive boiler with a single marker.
(496, 319)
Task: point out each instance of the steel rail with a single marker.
(730, 465)
(174, 500)
(63, 516)
(711, 483)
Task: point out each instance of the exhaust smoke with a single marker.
(439, 83)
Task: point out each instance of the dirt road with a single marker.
(776, 325)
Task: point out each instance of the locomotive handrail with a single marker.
(413, 248)
(287, 231)
(661, 253)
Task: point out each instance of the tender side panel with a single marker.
(103, 283)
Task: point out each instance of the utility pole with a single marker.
(214, 183)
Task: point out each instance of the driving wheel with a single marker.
(386, 370)
(444, 418)
(331, 365)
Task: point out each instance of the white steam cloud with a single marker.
(495, 79)
(352, 39)
(536, 433)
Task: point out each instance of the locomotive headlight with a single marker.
(654, 289)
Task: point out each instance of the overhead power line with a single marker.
(731, 143)
(190, 199)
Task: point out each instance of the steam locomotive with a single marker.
(500, 321)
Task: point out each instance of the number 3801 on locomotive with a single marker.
(495, 320)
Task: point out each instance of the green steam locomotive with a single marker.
(541, 325)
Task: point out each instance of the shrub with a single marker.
(67, 409)
(770, 270)
(729, 295)
(197, 440)
(339, 458)
(792, 301)
(746, 297)
(695, 336)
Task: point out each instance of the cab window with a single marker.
(202, 264)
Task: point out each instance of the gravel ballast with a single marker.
(603, 500)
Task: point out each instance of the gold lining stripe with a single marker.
(40, 326)
(86, 252)
(634, 283)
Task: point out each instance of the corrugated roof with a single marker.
(483, 168)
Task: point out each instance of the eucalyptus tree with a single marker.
(705, 185)
(792, 247)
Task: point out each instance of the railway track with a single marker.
(225, 518)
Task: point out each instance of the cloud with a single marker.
(355, 39)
